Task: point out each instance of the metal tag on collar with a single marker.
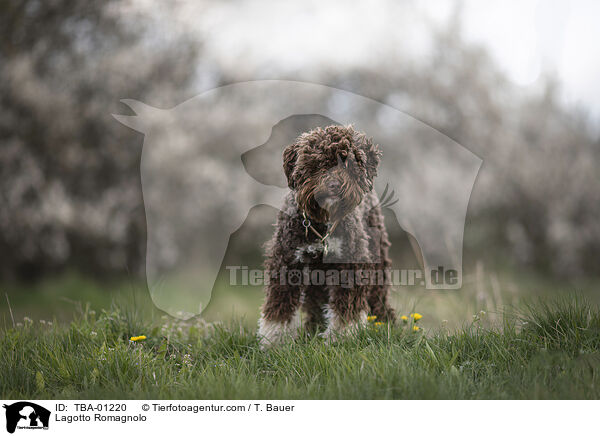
(306, 224)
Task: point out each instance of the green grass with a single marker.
(543, 350)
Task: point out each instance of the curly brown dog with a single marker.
(329, 253)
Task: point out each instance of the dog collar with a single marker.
(307, 225)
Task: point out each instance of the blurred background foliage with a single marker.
(70, 191)
(69, 187)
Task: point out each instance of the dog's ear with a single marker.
(290, 155)
(373, 157)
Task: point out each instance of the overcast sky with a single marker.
(525, 37)
(554, 35)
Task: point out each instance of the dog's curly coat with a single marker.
(330, 173)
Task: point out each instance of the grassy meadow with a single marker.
(503, 336)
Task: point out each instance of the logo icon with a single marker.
(26, 415)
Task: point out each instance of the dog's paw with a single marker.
(338, 328)
(273, 333)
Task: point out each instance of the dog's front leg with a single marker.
(346, 311)
(280, 318)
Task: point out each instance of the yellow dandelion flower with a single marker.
(371, 318)
(416, 328)
(404, 318)
(377, 324)
(137, 338)
(416, 316)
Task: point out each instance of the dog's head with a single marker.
(330, 170)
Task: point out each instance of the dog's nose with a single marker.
(333, 185)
